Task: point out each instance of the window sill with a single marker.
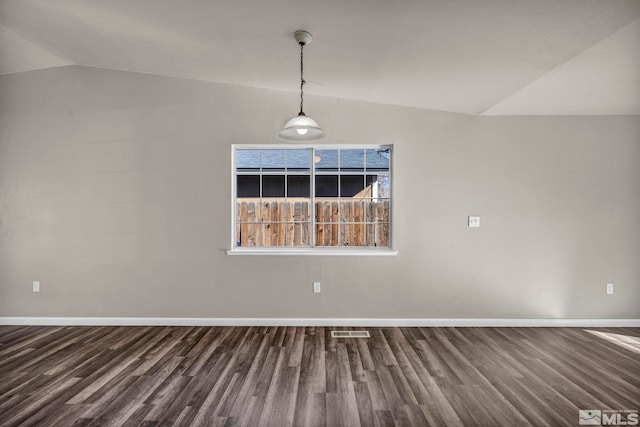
(314, 251)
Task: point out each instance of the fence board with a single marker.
(289, 224)
(273, 226)
(253, 232)
(319, 225)
(265, 226)
(282, 212)
(327, 219)
(335, 219)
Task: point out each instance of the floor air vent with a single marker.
(350, 334)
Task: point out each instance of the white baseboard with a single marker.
(242, 321)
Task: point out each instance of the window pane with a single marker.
(290, 211)
(352, 160)
(248, 160)
(351, 185)
(299, 211)
(327, 211)
(327, 234)
(298, 186)
(272, 160)
(379, 185)
(249, 233)
(354, 210)
(298, 160)
(272, 185)
(268, 210)
(248, 211)
(378, 160)
(378, 234)
(298, 234)
(347, 235)
(326, 186)
(248, 186)
(273, 234)
(327, 217)
(379, 210)
(248, 219)
(326, 160)
(358, 237)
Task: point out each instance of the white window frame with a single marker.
(313, 250)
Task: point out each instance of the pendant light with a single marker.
(301, 128)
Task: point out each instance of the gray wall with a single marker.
(115, 194)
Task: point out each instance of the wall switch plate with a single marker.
(609, 288)
(474, 221)
(36, 286)
(316, 287)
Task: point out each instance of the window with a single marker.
(311, 199)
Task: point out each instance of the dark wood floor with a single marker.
(301, 376)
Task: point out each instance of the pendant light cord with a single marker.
(302, 82)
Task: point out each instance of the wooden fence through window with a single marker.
(287, 222)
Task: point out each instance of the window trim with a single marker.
(312, 250)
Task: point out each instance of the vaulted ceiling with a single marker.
(493, 57)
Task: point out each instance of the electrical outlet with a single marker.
(36, 286)
(316, 287)
(474, 221)
(609, 288)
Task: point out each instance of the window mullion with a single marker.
(390, 196)
(259, 206)
(368, 202)
(340, 224)
(312, 178)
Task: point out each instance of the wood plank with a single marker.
(335, 219)
(253, 227)
(244, 227)
(319, 224)
(282, 211)
(327, 219)
(290, 227)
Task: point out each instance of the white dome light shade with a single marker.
(301, 129)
